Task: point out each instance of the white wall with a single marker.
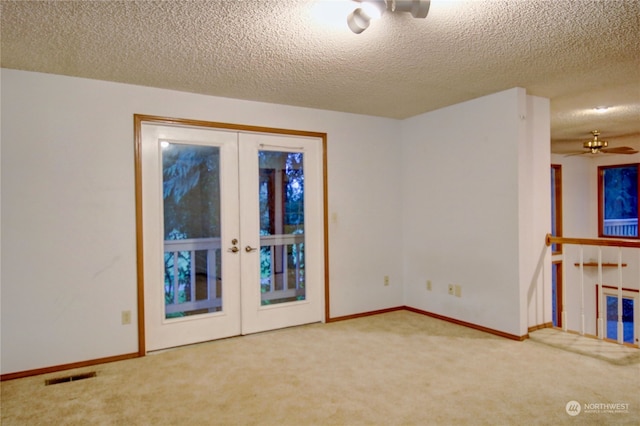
(444, 196)
(580, 220)
(535, 215)
(68, 209)
(465, 208)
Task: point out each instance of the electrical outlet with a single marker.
(386, 280)
(126, 317)
(428, 285)
(458, 291)
(450, 289)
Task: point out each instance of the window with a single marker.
(618, 201)
(556, 205)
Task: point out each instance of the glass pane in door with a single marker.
(191, 202)
(281, 195)
(627, 318)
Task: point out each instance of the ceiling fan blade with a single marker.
(619, 150)
(572, 154)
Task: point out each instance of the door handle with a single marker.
(249, 249)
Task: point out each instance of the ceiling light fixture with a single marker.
(360, 19)
(601, 108)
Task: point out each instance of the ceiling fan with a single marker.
(598, 146)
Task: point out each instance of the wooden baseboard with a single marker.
(55, 368)
(366, 314)
(437, 316)
(541, 326)
(468, 324)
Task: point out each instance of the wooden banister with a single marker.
(550, 239)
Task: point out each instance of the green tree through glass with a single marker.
(191, 202)
(621, 192)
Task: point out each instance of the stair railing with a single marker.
(550, 239)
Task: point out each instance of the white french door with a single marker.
(232, 227)
(281, 227)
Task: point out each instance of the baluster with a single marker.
(272, 258)
(176, 279)
(192, 278)
(620, 326)
(564, 293)
(285, 267)
(582, 290)
(212, 288)
(601, 304)
(298, 257)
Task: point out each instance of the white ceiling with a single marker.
(579, 53)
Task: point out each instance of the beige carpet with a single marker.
(399, 368)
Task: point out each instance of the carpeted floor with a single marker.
(399, 368)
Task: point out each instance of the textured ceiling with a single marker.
(578, 53)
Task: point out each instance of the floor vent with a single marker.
(73, 378)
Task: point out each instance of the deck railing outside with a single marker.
(284, 280)
(621, 227)
(191, 276)
(193, 280)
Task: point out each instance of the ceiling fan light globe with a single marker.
(358, 21)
